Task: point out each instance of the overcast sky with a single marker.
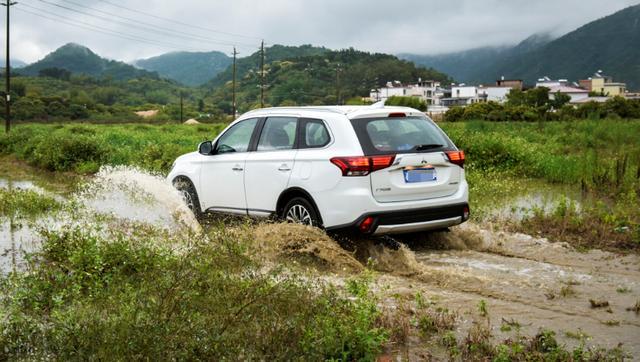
(415, 26)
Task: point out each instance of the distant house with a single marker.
(510, 83)
(550, 83)
(604, 85)
(427, 90)
(494, 93)
(576, 94)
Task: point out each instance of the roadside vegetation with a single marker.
(84, 148)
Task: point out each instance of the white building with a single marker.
(427, 91)
(576, 94)
(548, 82)
(494, 93)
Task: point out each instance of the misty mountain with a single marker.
(79, 59)
(189, 68)
(473, 65)
(15, 63)
(611, 44)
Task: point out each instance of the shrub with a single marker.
(65, 152)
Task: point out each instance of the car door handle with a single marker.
(237, 168)
(284, 167)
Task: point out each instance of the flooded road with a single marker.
(526, 281)
(538, 284)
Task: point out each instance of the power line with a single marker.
(98, 29)
(141, 27)
(163, 29)
(179, 22)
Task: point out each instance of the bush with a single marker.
(66, 153)
(413, 102)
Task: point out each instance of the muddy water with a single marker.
(532, 281)
(124, 195)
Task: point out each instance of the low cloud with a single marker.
(415, 26)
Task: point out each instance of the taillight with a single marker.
(397, 115)
(465, 213)
(366, 224)
(362, 165)
(456, 157)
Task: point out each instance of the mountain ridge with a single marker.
(188, 68)
(611, 43)
(78, 59)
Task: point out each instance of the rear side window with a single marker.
(400, 135)
(278, 133)
(314, 133)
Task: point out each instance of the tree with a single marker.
(560, 99)
(57, 73)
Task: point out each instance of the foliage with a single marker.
(128, 295)
(314, 76)
(530, 106)
(25, 203)
(84, 148)
(412, 102)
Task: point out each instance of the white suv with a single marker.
(376, 169)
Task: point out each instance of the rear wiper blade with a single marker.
(427, 146)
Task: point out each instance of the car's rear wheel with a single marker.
(300, 211)
(189, 195)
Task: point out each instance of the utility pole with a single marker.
(338, 84)
(233, 101)
(262, 74)
(7, 71)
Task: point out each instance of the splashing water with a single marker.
(132, 194)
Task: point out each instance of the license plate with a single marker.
(420, 175)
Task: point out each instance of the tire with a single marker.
(300, 211)
(189, 195)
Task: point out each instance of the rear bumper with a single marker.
(411, 220)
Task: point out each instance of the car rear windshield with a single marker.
(400, 135)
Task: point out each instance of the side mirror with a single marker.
(205, 148)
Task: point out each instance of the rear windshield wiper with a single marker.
(428, 146)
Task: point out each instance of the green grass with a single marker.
(84, 148)
(25, 203)
(125, 294)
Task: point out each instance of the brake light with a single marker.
(362, 165)
(397, 115)
(366, 224)
(456, 157)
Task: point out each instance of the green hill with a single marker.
(78, 59)
(611, 44)
(307, 76)
(189, 68)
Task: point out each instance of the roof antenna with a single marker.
(378, 104)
